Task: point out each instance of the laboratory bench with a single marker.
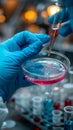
(24, 117)
(22, 123)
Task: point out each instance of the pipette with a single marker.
(57, 20)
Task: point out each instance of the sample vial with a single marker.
(37, 108)
(68, 118)
(48, 107)
(56, 97)
(57, 115)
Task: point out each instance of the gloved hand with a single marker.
(3, 111)
(68, 3)
(67, 28)
(13, 53)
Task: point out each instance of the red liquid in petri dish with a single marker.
(45, 82)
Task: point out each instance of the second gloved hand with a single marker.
(67, 27)
(69, 5)
(13, 53)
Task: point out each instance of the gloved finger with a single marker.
(65, 29)
(43, 37)
(67, 3)
(28, 52)
(61, 16)
(24, 39)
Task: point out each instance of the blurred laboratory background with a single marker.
(19, 15)
(32, 15)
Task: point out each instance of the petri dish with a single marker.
(46, 69)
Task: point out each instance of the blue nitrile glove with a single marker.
(67, 28)
(67, 3)
(13, 53)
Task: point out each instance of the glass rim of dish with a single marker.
(54, 53)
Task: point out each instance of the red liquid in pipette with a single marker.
(53, 35)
